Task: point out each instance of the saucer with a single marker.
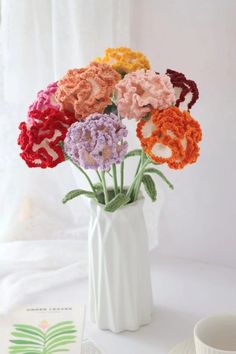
(186, 347)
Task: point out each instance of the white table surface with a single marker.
(184, 291)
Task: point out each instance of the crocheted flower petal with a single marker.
(190, 156)
(87, 160)
(45, 99)
(141, 91)
(186, 91)
(87, 90)
(145, 129)
(189, 150)
(39, 140)
(171, 136)
(97, 142)
(45, 154)
(124, 60)
(148, 128)
(161, 151)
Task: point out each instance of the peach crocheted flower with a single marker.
(124, 60)
(141, 91)
(170, 136)
(87, 90)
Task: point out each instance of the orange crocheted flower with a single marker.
(87, 90)
(124, 60)
(170, 136)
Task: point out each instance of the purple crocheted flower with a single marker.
(45, 99)
(97, 141)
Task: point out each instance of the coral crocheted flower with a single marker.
(170, 136)
(87, 90)
(186, 91)
(45, 99)
(97, 141)
(141, 91)
(39, 140)
(124, 60)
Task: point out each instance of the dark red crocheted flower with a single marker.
(39, 141)
(183, 87)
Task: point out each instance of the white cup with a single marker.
(216, 335)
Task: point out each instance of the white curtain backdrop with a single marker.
(40, 41)
(198, 39)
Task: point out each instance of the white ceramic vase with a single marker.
(119, 271)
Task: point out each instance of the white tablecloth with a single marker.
(184, 291)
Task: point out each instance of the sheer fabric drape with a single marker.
(40, 40)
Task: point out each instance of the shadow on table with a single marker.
(168, 327)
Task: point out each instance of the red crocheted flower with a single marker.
(185, 90)
(39, 141)
(170, 136)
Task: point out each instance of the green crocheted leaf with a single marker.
(112, 108)
(160, 174)
(98, 187)
(117, 202)
(75, 193)
(136, 152)
(149, 187)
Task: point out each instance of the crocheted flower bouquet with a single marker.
(81, 118)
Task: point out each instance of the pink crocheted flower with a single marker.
(141, 91)
(87, 90)
(45, 99)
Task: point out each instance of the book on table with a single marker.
(43, 329)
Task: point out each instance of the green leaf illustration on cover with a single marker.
(45, 339)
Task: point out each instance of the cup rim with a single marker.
(212, 317)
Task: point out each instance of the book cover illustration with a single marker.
(43, 330)
(44, 339)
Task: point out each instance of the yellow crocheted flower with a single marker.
(124, 60)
